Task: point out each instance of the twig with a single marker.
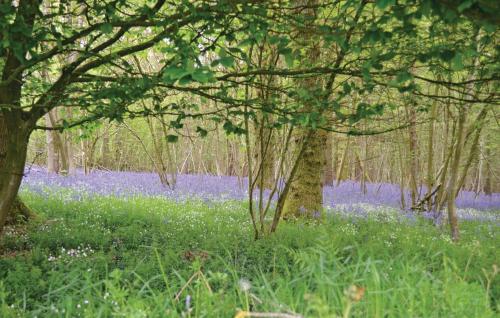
(243, 314)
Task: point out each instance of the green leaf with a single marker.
(202, 76)
(226, 61)
(185, 80)
(106, 28)
(382, 4)
(172, 138)
(246, 42)
(173, 73)
(446, 54)
(465, 5)
(289, 60)
(347, 88)
(403, 77)
(202, 132)
(456, 62)
(288, 55)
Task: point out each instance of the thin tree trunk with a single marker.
(453, 181)
(329, 169)
(488, 187)
(401, 178)
(340, 171)
(446, 158)
(52, 154)
(430, 156)
(264, 154)
(473, 152)
(413, 144)
(105, 150)
(59, 143)
(68, 141)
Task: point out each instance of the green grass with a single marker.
(140, 253)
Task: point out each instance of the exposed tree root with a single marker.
(19, 213)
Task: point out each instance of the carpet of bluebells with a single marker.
(121, 245)
(348, 198)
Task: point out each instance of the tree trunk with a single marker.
(105, 152)
(306, 191)
(264, 153)
(446, 155)
(401, 177)
(341, 165)
(452, 183)
(68, 141)
(329, 169)
(488, 187)
(473, 152)
(14, 129)
(52, 154)
(14, 136)
(59, 143)
(412, 144)
(19, 212)
(305, 198)
(430, 156)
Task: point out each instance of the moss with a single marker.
(19, 212)
(306, 192)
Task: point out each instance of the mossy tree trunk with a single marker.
(14, 135)
(306, 191)
(19, 212)
(16, 124)
(305, 198)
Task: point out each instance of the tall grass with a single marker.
(151, 257)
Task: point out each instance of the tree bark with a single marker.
(14, 136)
(264, 153)
(473, 152)
(488, 187)
(430, 156)
(341, 165)
(305, 198)
(59, 143)
(105, 149)
(52, 154)
(306, 191)
(413, 144)
(329, 174)
(452, 183)
(15, 125)
(19, 212)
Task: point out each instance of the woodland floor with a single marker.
(155, 257)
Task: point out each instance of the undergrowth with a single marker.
(147, 257)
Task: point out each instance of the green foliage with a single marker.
(140, 252)
(199, 48)
(172, 138)
(382, 4)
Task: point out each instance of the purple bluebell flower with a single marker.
(188, 303)
(347, 199)
(316, 214)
